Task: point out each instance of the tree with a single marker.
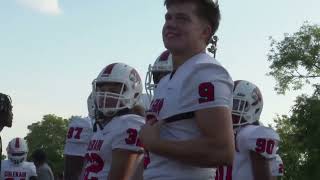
(3, 157)
(49, 134)
(300, 146)
(295, 60)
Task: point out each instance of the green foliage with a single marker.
(3, 157)
(49, 134)
(300, 146)
(295, 60)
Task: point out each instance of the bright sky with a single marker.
(51, 50)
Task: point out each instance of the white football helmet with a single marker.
(161, 67)
(247, 103)
(17, 150)
(126, 98)
(91, 106)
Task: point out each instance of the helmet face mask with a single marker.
(111, 99)
(91, 107)
(117, 87)
(247, 103)
(17, 150)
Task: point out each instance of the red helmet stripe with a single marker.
(236, 84)
(109, 68)
(17, 144)
(164, 56)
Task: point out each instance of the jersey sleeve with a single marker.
(263, 141)
(78, 136)
(208, 85)
(33, 171)
(126, 136)
(277, 167)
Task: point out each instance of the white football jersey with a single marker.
(78, 136)
(144, 101)
(201, 82)
(260, 139)
(277, 168)
(120, 133)
(11, 171)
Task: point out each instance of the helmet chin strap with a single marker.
(102, 119)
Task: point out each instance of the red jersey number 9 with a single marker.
(206, 92)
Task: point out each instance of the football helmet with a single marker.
(130, 92)
(247, 103)
(17, 150)
(161, 67)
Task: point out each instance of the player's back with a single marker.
(23, 170)
(79, 134)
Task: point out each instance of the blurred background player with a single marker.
(44, 171)
(114, 150)
(5, 115)
(80, 131)
(255, 144)
(16, 167)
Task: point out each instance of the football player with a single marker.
(255, 144)
(16, 167)
(78, 136)
(161, 67)
(114, 150)
(192, 104)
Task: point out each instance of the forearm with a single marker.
(138, 173)
(198, 152)
(73, 167)
(260, 166)
(124, 163)
(273, 178)
(33, 178)
(260, 175)
(72, 174)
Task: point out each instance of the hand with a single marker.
(150, 135)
